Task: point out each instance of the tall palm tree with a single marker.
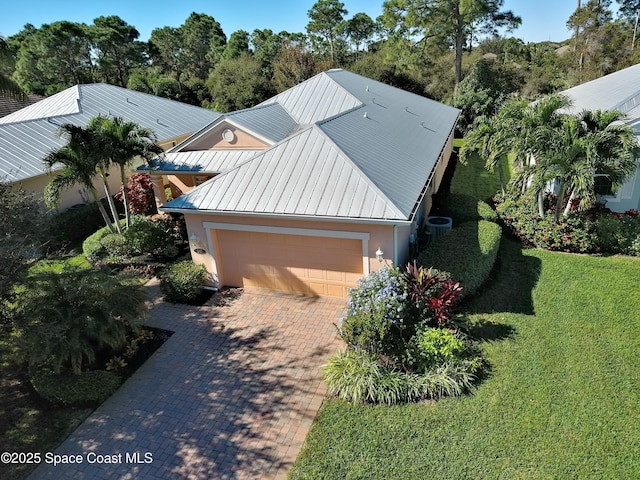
(125, 141)
(577, 149)
(79, 160)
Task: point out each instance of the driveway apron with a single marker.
(230, 395)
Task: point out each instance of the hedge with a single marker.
(465, 208)
(88, 388)
(183, 281)
(468, 252)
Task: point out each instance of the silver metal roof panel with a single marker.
(315, 99)
(270, 121)
(27, 135)
(304, 175)
(617, 91)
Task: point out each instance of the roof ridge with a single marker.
(359, 171)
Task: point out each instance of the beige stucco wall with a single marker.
(214, 140)
(74, 195)
(380, 236)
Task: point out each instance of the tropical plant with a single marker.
(123, 142)
(357, 376)
(183, 281)
(75, 162)
(63, 318)
(23, 233)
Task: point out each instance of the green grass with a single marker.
(474, 180)
(561, 334)
(560, 398)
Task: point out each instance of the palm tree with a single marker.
(79, 159)
(492, 140)
(125, 141)
(577, 149)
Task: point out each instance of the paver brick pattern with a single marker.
(231, 395)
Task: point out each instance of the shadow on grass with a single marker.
(511, 283)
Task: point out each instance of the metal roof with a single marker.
(62, 103)
(304, 175)
(28, 135)
(617, 91)
(368, 154)
(200, 161)
(398, 142)
(270, 121)
(315, 99)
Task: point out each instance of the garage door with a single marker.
(292, 263)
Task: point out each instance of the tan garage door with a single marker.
(292, 263)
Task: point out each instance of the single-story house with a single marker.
(616, 91)
(29, 134)
(313, 188)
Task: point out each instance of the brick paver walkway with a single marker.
(231, 394)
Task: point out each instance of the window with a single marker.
(603, 185)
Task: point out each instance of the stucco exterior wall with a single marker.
(380, 236)
(74, 195)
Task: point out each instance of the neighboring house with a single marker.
(616, 91)
(313, 188)
(9, 105)
(29, 134)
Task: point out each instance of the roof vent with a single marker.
(365, 115)
(367, 88)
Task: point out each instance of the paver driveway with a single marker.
(231, 394)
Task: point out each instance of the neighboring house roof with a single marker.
(617, 91)
(10, 104)
(28, 135)
(359, 149)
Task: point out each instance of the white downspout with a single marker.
(395, 245)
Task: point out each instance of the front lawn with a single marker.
(561, 400)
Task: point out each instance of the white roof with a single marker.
(617, 91)
(28, 135)
(362, 150)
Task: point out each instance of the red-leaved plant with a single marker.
(433, 293)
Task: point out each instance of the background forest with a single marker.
(455, 51)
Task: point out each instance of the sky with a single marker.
(541, 19)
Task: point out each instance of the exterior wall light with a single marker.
(379, 255)
(196, 246)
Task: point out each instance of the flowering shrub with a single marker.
(397, 350)
(574, 233)
(595, 230)
(377, 313)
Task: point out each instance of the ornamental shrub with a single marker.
(145, 236)
(92, 248)
(357, 376)
(115, 245)
(434, 346)
(183, 281)
(466, 208)
(617, 232)
(142, 200)
(574, 233)
(377, 313)
(468, 252)
(88, 388)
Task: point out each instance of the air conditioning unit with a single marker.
(438, 225)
